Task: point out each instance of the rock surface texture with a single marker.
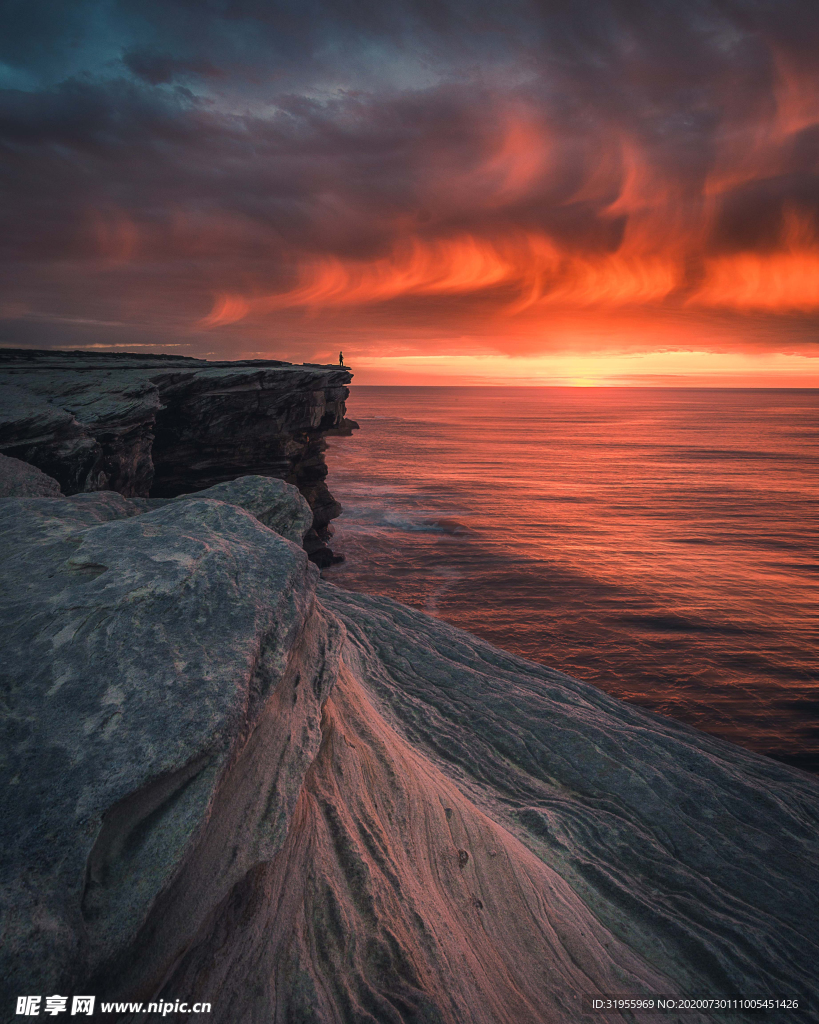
(22, 480)
(226, 781)
(167, 425)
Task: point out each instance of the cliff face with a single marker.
(163, 426)
(228, 782)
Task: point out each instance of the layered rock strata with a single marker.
(166, 425)
(228, 782)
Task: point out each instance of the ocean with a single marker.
(660, 544)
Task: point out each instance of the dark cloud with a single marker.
(161, 69)
(157, 155)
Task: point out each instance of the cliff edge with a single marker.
(227, 782)
(160, 426)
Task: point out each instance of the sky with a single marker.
(594, 192)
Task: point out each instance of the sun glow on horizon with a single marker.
(690, 367)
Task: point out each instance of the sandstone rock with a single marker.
(105, 506)
(50, 438)
(142, 657)
(161, 426)
(366, 913)
(22, 480)
(697, 854)
(215, 790)
(223, 419)
(273, 502)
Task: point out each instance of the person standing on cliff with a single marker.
(341, 359)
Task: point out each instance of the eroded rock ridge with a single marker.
(226, 781)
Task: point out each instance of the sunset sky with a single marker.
(452, 191)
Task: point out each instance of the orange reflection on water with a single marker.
(658, 543)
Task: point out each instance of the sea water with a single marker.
(658, 543)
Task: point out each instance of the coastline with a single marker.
(160, 426)
(229, 780)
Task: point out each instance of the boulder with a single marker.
(273, 502)
(145, 654)
(21, 480)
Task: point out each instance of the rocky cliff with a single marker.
(168, 425)
(226, 781)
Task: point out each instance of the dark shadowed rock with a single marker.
(161, 426)
(319, 553)
(50, 438)
(22, 480)
(344, 429)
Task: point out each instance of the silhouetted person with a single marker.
(341, 359)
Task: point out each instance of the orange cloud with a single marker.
(227, 309)
(782, 281)
(529, 264)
